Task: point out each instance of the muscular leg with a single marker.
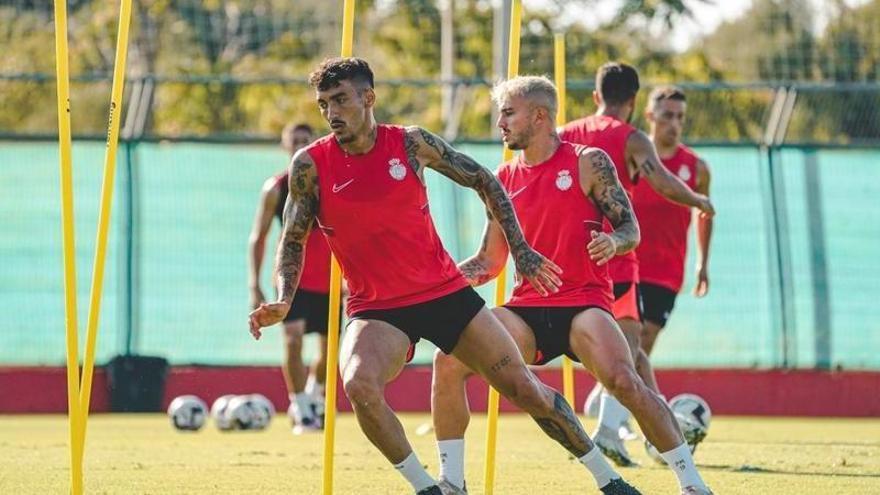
(449, 406)
(294, 371)
(650, 331)
(319, 367)
(598, 343)
(486, 347)
(372, 354)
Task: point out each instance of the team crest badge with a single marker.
(397, 169)
(684, 173)
(564, 180)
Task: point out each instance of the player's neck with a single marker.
(616, 112)
(540, 150)
(665, 150)
(364, 139)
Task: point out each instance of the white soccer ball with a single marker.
(264, 407)
(187, 412)
(220, 412)
(693, 415)
(245, 413)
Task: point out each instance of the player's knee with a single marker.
(448, 367)
(527, 393)
(623, 382)
(361, 391)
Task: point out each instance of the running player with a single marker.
(308, 313)
(552, 176)
(635, 157)
(363, 187)
(665, 225)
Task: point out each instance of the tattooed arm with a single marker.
(643, 157)
(300, 211)
(599, 182)
(427, 150)
(487, 263)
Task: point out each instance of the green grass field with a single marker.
(142, 454)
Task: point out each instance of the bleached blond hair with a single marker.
(537, 89)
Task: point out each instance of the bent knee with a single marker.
(362, 391)
(448, 366)
(623, 381)
(529, 394)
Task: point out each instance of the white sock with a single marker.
(452, 461)
(415, 473)
(681, 462)
(303, 409)
(611, 412)
(599, 467)
(314, 388)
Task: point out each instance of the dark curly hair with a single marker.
(333, 71)
(617, 83)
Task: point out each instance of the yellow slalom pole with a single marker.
(104, 217)
(62, 77)
(559, 71)
(501, 281)
(333, 319)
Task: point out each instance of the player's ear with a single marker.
(596, 99)
(369, 97)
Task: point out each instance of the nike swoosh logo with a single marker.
(339, 187)
(516, 193)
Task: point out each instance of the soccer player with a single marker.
(363, 187)
(665, 225)
(561, 194)
(635, 157)
(308, 313)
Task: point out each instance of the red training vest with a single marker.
(374, 212)
(610, 135)
(557, 218)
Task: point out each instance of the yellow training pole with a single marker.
(333, 319)
(62, 77)
(559, 71)
(104, 217)
(500, 282)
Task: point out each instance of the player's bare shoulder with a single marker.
(594, 165)
(303, 173)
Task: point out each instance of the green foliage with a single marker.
(250, 46)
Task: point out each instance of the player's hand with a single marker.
(702, 286)
(257, 297)
(542, 273)
(601, 248)
(705, 207)
(267, 314)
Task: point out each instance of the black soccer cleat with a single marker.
(431, 490)
(619, 487)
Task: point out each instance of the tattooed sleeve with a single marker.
(609, 196)
(426, 149)
(300, 211)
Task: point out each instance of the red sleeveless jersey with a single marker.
(664, 225)
(374, 212)
(557, 218)
(316, 270)
(609, 135)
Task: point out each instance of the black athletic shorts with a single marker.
(658, 302)
(311, 307)
(551, 326)
(440, 320)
